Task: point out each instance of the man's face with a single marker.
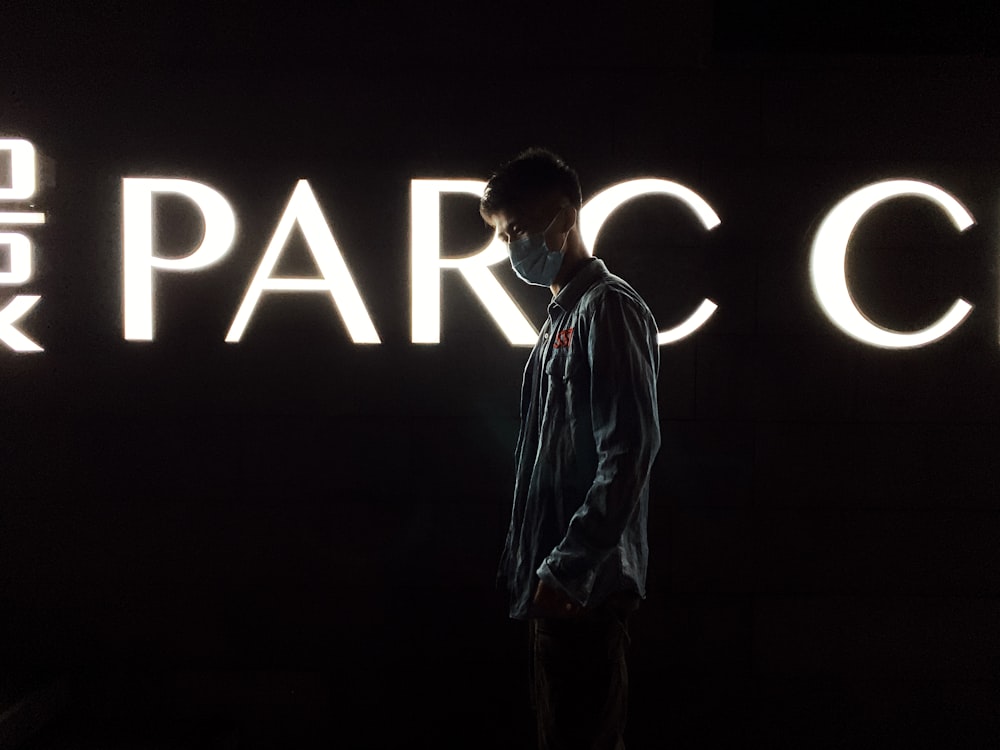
(536, 239)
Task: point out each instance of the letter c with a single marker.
(596, 211)
(829, 254)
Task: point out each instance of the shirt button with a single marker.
(545, 336)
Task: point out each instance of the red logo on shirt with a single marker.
(563, 339)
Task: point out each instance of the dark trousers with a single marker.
(580, 678)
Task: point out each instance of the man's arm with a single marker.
(624, 359)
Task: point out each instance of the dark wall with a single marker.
(296, 534)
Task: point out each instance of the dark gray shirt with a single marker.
(589, 434)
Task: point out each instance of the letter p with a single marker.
(138, 258)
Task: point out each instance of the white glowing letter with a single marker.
(22, 169)
(827, 266)
(426, 264)
(335, 277)
(9, 315)
(20, 258)
(138, 260)
(596, 211)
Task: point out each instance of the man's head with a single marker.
(536, 197)
(532, 174)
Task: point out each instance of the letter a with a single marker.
(335, 276)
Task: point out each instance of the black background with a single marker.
(291, 541)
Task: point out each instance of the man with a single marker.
(576, 551)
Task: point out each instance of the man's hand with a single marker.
(551, 602)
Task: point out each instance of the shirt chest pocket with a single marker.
(567, 423)
(569, 383)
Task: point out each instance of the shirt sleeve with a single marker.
(624, 359)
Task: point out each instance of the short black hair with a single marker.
(529, 174)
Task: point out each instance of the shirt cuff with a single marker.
(545, 574)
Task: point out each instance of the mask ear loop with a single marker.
(545, 234)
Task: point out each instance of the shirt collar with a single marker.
(590, 271)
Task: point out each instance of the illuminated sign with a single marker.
(140, 260)
(829, 254)
(19, 248)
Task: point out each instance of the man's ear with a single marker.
(562, 224)
(568, 219)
